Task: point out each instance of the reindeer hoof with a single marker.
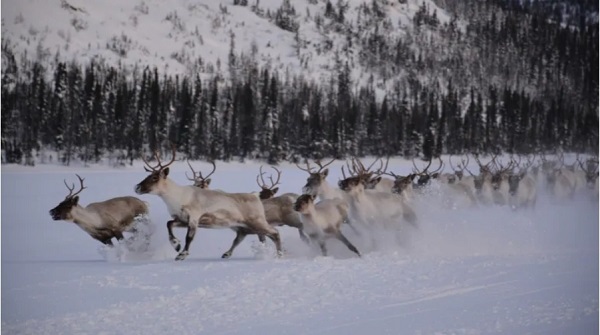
(182, 255)
(226, 255)
(176, 244)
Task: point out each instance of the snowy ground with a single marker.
(467, 271)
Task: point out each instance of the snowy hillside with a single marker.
(184, 37)
(486, 270)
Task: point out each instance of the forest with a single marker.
(513, 76)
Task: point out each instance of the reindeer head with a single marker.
(198, 179)
(424, 175)
(485, 169)
(267, 192)
(591, 171)
(304, 203)
(552, 176)
(513, 182)
(359, 178)
(501, 174)
(158, 175)
(315, 179)
(63, 210)
(478, 180)
(547, 165)
(402, 183)
(459, 172)
(372, 182)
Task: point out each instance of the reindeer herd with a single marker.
(365, 198)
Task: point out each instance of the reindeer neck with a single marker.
(326, 192)
(174, 195)
(312, 212)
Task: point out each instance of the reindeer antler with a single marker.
(199, 176)
(264, 184)
(321, 166)
(70, 195)
(308, 167)
(416, 170)
(382, 168)
(159, 166)
(440, 167)
(193, 172)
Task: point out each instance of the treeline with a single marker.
(521, 81)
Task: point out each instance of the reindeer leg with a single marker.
(350, 246)
(274, 236)
(174, 240)
(262, 238)
(239, 237)
(351, 225)
(189, 237)
(119, 235)
(322, 246)
(303, 236)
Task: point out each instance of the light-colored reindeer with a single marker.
(560, 181)
(499, 182)
(323, 220)
(482, 184)
(377, 182)
(194, 207)
(103, 220)
(522, 190)
(316, 183)
(371, 207)
(591, 174)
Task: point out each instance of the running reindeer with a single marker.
(371, 207)
(198, 179)
(323, 220)
(279, 210)
(103, 220)
(316, 183)
(590, 169)
(194, 207)
(522, 187)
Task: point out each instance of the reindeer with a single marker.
(323, 220)
(482, 185)
(456, 193)
(372, 207)
(561, 181)
(101, 220)
(424, 175)
(403, 185)
(316, 183)
(522, 190)
(279, 210)
(378, 183)
(499, 183)
(198, 179)
(591, 174)
(459, 172)
(194, 207)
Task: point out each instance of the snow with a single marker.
(173, 35)
(487, 270)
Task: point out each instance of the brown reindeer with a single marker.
(101, 220)
(198, 179)
(279, 210)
